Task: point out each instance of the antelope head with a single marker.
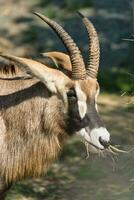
(78, 89)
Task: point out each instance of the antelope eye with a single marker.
(71, 93)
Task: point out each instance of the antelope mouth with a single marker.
(97, 139)
(93, 145)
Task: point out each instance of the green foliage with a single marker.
(130, 107)
(116, 80)
(68, 5)
(30, 35)
(91, 172)
(50, 11)
(76, 4)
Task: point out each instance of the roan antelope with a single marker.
(39, 111)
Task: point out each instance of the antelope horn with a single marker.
(94, 47)
(78, 66)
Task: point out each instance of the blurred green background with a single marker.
(23, 34)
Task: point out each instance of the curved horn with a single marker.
(78, 66)
(94, 48)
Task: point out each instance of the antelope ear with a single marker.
(61, 60)
(53, 79)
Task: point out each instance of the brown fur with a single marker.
(89, 87)
(32, 126)
(30, 137)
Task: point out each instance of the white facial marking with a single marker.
(84, 134)
(97, 93)
(82, 105)
(93, 138)
(2, 131)
(96, 133)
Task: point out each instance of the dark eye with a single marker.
(71, 93)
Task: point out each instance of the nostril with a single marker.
(104, 142)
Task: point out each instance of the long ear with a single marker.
(61, 60)
(54, 80)
(10, 71)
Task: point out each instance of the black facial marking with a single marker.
(95, 120)
(71, 93)
(104, 143)
(74, 121)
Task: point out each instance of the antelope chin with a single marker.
(93, 138)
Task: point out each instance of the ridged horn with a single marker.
(94, 47)
(78, 66)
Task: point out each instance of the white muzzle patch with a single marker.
(82, 105)
(93, 138)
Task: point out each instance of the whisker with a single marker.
(117, 150)
(111, 151)
(113, 160)
(103, 155)
(87, 149)
(99, 154)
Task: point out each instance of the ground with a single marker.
(96, 178)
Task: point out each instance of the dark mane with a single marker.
(7, 69)
(11, 71)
